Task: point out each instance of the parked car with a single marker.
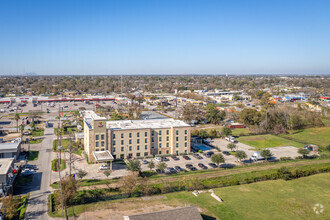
(158, 171)
(144, 162)
(27, 172)
(213, 165)
(178, 169)
(197, 156)
(172, 170)
(104, 167)
(192, 168)
(189, 165)
(226, 153)
(29, 166)
(257, 156)
(227, 165)
(158, 159)
(166, 159)
(201, 165)
(231, 139)
(186, 157)
(207, 155)
(174, 157)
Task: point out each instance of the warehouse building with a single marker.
(134, 138)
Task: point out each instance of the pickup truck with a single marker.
(256, 156)
(231, 139)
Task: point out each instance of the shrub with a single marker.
(285, 158)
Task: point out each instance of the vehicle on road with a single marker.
(257, 156)
(144, 162)
(158, 159)
(104, 167)
(213, 165)
(166, 159)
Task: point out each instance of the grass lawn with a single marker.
(268, 140)
(33, 155)
(319, 136)
(276, 199)
(37, 141)
(55, 166)
(240, 131)
(65, 145)
(38, 133)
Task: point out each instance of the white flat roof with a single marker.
(5, 163)
(102, 155)
(144, 124)
(92, 115)
(9, 146)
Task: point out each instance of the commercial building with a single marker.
(6, 175)
(134, 138)
(10, 149)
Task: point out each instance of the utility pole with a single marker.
(121, 85)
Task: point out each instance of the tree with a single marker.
(81, 174)
(213, 133)
(203, 134)
(226, 131)
(190, 112)
(213, 115)
(21, 128)
(69, 189)
(107, 173)
(10, 205)
(17, 117)
(303, 152)
(231, 146)
(217, 159)
(116, 116)
(134, 165)
(266, 154)
(151, 165)
(240, 155)
(161, 166)
(250, 117)
(128, 184)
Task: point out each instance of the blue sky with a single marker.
(165, 36)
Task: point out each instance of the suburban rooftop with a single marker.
(5, 163)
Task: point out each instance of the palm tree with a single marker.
(17, 118)
(21, 128)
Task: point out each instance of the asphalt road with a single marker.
(39, 187)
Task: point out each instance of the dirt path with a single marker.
(215, 173)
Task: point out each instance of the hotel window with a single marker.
(102, 136)
(122, 135)
(160, 138)
(152, 132)
(102, 143)
(177, 152)
(160, 152)
(113, 136)
(145, 153)
(146, 147)
(138, 134)
(160, 145)
(167, 152)
(130, 148)
(130, 135)
(122, 142)
(185, 131)
(167, 144)
(138, 147)
(130, 141)
(97, 149)
(102, 149)
(177, 138)
(146, 134)
(177, 144)
(122, 149)
(160, 132)
(185, 144)
(185, 138)
(137, 154)
(167, 132)
(114, 149)
(185, 151)
(167, 138)
(177, 132)
(152, 145)
(138, 141)
(152, 139)
(113, 142)
(96, 144)
(96, 137)
(146, 140)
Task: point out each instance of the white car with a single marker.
(158, 159)
(104, 167)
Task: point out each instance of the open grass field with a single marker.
(276, 199)
(319, 136)
(240, 131)
(268, 140)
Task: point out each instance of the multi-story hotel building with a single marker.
(134, 138)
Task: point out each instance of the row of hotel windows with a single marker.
(98, 136)
(146, 133)
(122, 156)
(145, 147)
(146, 140)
